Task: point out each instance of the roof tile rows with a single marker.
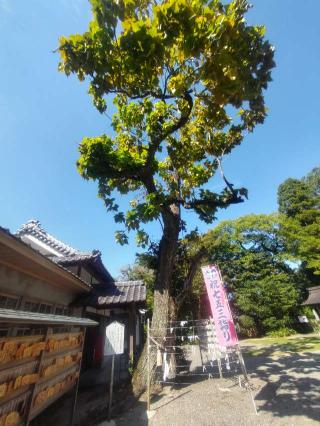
(125, 292)
(60, 265)
(110, 292)
(33, 227)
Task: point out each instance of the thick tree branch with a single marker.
(204, 202)
(157, 95)
(187, 285)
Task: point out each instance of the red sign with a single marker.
(221, 313)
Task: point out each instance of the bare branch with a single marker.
(229, 185)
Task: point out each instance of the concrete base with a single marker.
(106, 423)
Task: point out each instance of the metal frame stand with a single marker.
(245, 375)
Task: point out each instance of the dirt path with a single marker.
(286, 389)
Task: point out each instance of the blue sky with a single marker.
(44, 116)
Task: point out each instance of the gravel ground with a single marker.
(286, 388)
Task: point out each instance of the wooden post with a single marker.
(132, 331)
(111, 387)
(148, 364)
(34, 386)
(74, 405)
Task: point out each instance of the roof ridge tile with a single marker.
(34, 228)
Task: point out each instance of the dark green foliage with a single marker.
(141, 271)
(299, 202)
(266, 292)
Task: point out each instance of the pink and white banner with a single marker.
(221, 313)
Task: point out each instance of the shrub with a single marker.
(315, 325)
(247, 326)
(281, 332)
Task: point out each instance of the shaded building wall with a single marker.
(16, 283)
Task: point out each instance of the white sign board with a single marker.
(303, 319)
(114, 339)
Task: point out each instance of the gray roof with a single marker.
(127, 291)
(16, 238)
(314, 296)
(65, 255)
(75, 258)
(11, 315)
(33, 227)
(121, 292)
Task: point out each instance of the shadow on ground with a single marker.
(286, 378)
(292, 379)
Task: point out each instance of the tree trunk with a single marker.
(163, 308)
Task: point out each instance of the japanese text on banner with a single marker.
(219, 304)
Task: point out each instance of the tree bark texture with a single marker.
(164, 306)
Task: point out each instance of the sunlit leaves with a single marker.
(251, 253)
(121, 237)
(186, 79)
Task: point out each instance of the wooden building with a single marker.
(313, 301)
(107, 300)
(55, 305)
(41, 335)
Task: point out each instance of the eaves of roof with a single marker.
(33, 228)
(17, 254)
(14, 316)
(120, 293)
(313, 297)
(93, 260)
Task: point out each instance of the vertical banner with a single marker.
(221, 313)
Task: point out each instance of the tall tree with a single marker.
(186, 79)
(299, 202)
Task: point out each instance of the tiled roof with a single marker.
(33, 227)
(314, 296)
(121, 292)
(75, 258)
(64, 255)
(15, 237)
(91, 259)
(127, 291)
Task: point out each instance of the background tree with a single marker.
(140, 270)
(299, 202)
(186, 79)
(265, 291)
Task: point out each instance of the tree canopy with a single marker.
(186, 79)
(265, 291)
